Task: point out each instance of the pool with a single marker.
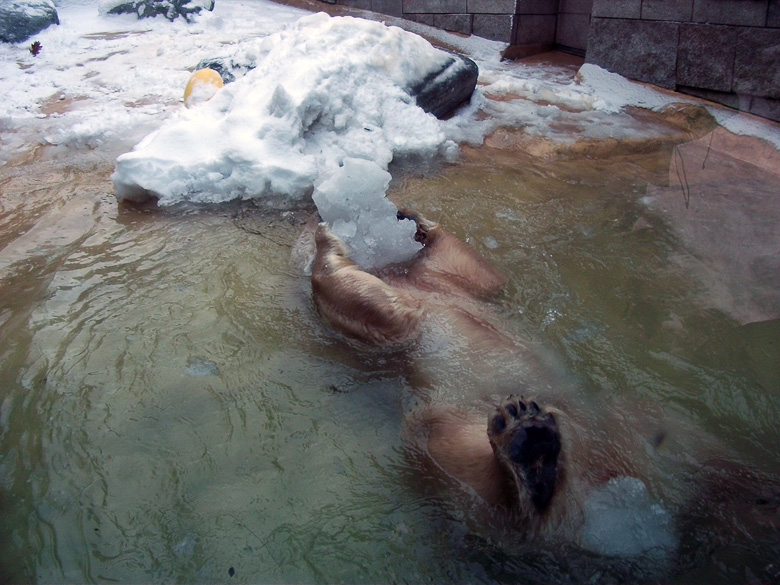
(172, 410)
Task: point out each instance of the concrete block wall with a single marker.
(573, 24)
(724, 50)
(523, 22)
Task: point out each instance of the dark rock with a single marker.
(21, 19)
(439, 93)
(219, 65)
(445, 89)
(170, 9)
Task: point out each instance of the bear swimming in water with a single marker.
(546, 465)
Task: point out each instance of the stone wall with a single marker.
(571, 32)
(724, 50)
(511, 21)
(537, 25)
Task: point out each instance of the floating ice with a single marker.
(352, 200)
(621, 519)
(201, 367)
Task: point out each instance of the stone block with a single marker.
(572, 31)
(756, 70)
(773, 16)
(391, 7)
(617, 8)
(575, 7)
(667, 10)
(360, 4)
(536, 7)
(534, 29)
(705, 56)
(490, 6)
(727, 99)
(421, 18)
(434, 6)
(766, 108)
(459, 23)
(497, 27)
(644, 50)
(740, 13)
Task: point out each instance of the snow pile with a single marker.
(323, 90)
(621, 519)
(352, 200)
(612, 92)
(595, 89)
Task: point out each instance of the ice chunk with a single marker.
(622, 519)
(201, 367)
(352, 200)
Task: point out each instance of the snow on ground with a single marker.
(324, 90)
(106, 81)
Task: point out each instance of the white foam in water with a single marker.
(352, 200)
(622, 519)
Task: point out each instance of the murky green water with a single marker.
(171, 409)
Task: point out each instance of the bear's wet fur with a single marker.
(444, 265)
(535, 461)
(356, 303)
(520, 468)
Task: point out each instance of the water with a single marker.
(171, 409)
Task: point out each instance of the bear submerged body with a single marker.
(502, 420)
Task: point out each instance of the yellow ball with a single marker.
(201, 87)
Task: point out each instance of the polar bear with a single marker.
(546, 464)
(356, 303)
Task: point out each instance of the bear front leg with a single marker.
(356, 303)
(448, 265)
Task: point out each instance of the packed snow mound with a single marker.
(323, 90)
(352, 200)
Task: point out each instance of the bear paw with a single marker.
(527, 444)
